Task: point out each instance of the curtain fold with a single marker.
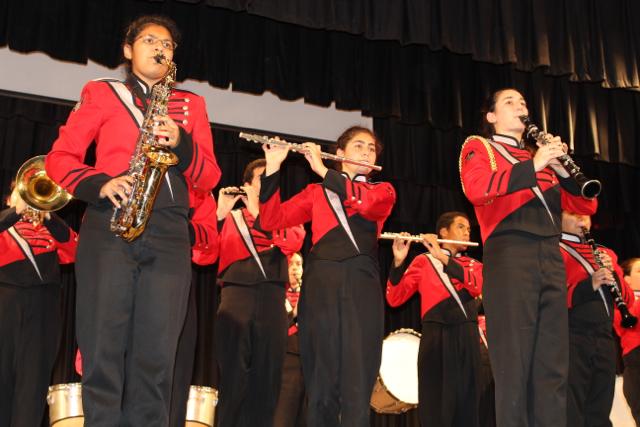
(587, 40)
(415, 82)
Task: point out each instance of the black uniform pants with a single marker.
(341, 321)
(448, 374)
(592, 379)
(631, 384)
(130, 308)
(487, 387)
(291, 408)
(29, 337)
(185, 355)
(525, 301)
(251, 333)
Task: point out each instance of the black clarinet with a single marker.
(589, 188)
(628, 319)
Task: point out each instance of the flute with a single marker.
(263, 139)
(413, 238)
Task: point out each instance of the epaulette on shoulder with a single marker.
(487, 146)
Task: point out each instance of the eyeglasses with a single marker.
(150, 40)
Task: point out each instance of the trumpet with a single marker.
(414, 238)
(263, 139)
(39, 192)
(589, 188)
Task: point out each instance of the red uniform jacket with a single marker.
(346, 215)
(629, 337)
(203, 227)
(30, 256)
(588, 308)
(238, 264)
(427, 276)
(108, 117)
(508, 195)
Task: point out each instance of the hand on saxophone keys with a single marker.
(116, 189)
(166, 131)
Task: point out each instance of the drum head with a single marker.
(399, 367)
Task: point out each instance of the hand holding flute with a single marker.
(402, 241)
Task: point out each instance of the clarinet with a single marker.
(589, 188)
(628, 319)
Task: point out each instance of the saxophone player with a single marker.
(132, 296)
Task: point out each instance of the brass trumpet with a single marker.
(413, 238)
(39, 192)
(263, 139)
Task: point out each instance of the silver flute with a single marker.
(413, 238)
(263, 139)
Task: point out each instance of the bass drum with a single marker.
(201, 406)
(396, 389)
(65, 405)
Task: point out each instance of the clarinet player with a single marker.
(592, 349)
(515, 188)
(132, 296)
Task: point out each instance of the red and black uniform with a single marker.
(519, 212)
(630, 342)
(341, 308)
(251, 325)
(132, 297)
(30, 318)
(449, 342)
(291, 408)
(592, 349)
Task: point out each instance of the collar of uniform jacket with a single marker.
(509, 140)
(357, 178)
(571, 237)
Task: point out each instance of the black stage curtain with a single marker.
(381, 78)
(583, 39)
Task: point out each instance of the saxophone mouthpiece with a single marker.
(160, 58)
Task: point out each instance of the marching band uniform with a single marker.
(519, 212)
(449, 357)
(251, 323)
(290, 410)
(131, 297)
(592, 350)
(341, 307)
(29, 312)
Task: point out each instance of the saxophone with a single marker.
(148, 164)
